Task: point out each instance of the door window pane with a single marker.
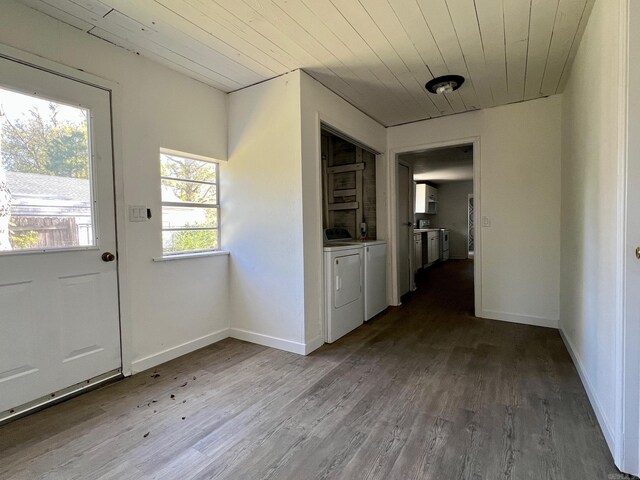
(45, 172)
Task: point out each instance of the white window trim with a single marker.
(193, 253)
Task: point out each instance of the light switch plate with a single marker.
(138, 213)
(486, 221)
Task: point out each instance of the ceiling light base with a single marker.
(444, 84)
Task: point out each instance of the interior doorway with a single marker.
(436, 203)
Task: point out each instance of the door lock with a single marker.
(108, 257)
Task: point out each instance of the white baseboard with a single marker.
(313, 345)
(593, 398)
(268, 341)
(515, 318)
(177, 351)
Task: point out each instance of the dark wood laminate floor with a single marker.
(424, 391)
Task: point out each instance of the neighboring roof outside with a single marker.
(37, 185)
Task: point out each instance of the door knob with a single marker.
(638, 253)
(108, 257)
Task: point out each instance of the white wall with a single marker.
(262, 217)
(589, 210)
(274, 159)
(452, 214)
(171, 307)
(519, 193)
(320, 104)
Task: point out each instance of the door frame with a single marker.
(393, 205)
(115, 100)
(395, 252)
(627, 422)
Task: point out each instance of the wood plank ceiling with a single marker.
(376, 54)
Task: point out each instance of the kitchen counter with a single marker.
(424, 230)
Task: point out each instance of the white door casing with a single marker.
(405, 229)
(627, 427)
(394, 200)
(59, 308)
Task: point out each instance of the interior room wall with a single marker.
(274, 157)
(262, 215)
(175, 306)
(589, 211)
(320, 104)
(520, 197)
(452, 214)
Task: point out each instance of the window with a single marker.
(45, 174)
(190, 210)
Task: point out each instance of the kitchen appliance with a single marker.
(444, 244)
(343, 289)
(374, 271)
(343, 283)
(422, 224)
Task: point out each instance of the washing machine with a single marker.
(343, 289)
(375, 269)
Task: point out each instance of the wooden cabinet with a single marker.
(431, 193)
(433, 248)
(421, 198)
(426, 200)
(417, 252)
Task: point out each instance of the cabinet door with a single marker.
(425, 249)
(434, 247)
(421, 198)
(432, 250)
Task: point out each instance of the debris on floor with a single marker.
(184, 384)
(155, 375)
(145, 435)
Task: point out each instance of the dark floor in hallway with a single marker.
(424, 391)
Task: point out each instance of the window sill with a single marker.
(184, 256)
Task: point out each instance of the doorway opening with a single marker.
(435, 221)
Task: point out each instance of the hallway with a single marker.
(423, 391)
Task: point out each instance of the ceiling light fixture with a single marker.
(444, 84)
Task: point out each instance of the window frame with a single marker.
(163, 203)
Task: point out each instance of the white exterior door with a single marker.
(59, 313)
